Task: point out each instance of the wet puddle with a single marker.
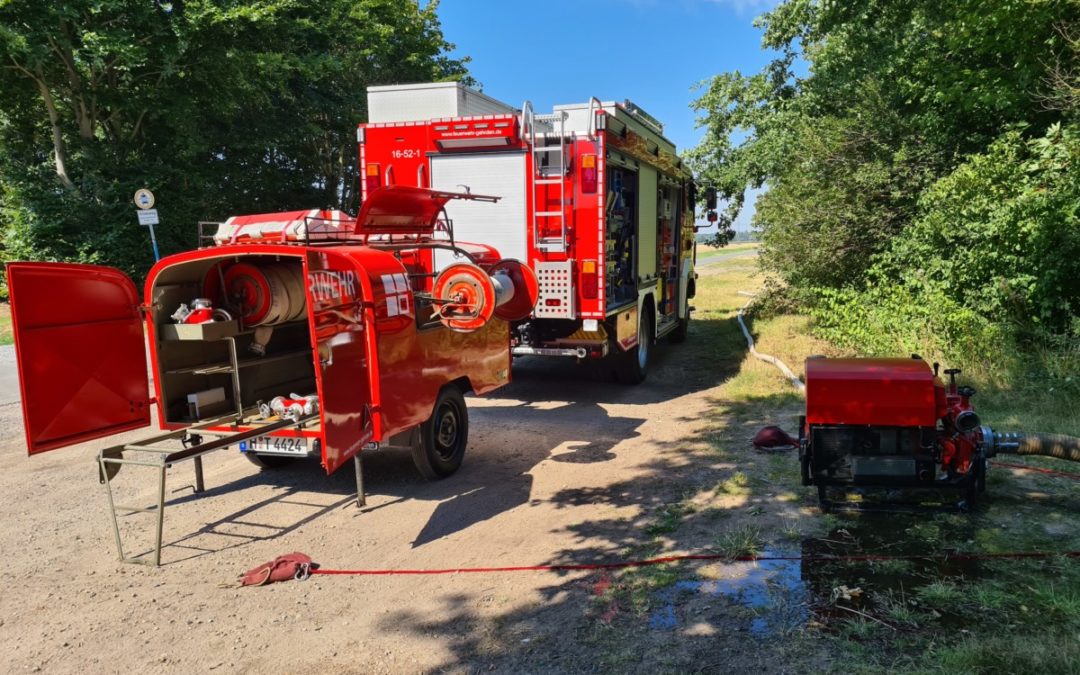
(773, 589)
(783, 595)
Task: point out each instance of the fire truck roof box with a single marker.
(628, 112)
(579, 114)
(430, 100)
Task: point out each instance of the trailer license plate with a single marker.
(277, 445)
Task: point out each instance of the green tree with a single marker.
(921, 160)
(895, 94)
(220, 106)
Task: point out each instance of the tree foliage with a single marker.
(219, 106)
(991, 261)
(921, 166)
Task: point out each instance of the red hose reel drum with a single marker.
(521, 281)
(470, 296)
(262, 294)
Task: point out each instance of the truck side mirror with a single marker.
(710, 199)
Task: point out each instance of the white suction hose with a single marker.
(795, 381)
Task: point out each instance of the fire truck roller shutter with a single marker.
(647, 223)
(502, 224)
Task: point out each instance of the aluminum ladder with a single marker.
(549, 168)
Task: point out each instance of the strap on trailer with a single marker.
(161, 457)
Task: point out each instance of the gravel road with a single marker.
(562, 467)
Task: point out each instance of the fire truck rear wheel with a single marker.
(634, 365)
(678, 336)
(443, 437)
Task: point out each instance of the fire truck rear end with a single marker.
(593, 199)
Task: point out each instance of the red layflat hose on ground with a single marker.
(580, 567)
(304, 571)
(1018, 555)
(1026, 467)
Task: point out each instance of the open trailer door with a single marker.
(342, 325)
(80, 351)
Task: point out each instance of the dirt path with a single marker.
(562, 467)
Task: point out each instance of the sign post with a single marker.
(148, 215)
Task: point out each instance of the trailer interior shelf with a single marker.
(226, 367)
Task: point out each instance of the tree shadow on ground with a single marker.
(703, 490)
(553, 410)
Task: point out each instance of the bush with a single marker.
(987, 271)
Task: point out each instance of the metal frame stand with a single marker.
(361, 496)
(110, 460)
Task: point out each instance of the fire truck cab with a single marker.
(593, 199)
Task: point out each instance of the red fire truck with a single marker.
(593, 199)
(312, 333)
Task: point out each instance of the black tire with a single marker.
(443, 437)
(678, 336)
(804, 453)
(823, 498)
(976, 482)
(633, 365)
(266, 462)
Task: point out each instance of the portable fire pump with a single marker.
(288, 335)
(892, 423)
(595, 201)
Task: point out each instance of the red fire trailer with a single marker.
(332, 335)
(594, 200)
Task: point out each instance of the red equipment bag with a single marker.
(281, 568)
(773, 438)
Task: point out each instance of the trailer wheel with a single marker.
(634, 364)
(443, 437)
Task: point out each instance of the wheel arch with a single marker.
(648, 308)
(463, 384)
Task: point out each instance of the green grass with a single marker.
(743, 541)
(1006, 654)
(705, 252)
(999, 616)
(736, 484)
(6, 336)
(635, 589)
(940, 594)
(667, 518)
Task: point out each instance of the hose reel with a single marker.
(468, 296)
(267, 294)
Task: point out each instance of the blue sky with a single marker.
(653, 52)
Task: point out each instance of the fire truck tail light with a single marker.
(590, 284)
(374, 178)
(588, 174)
(553, 302)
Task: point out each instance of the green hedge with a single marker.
(989, 270)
